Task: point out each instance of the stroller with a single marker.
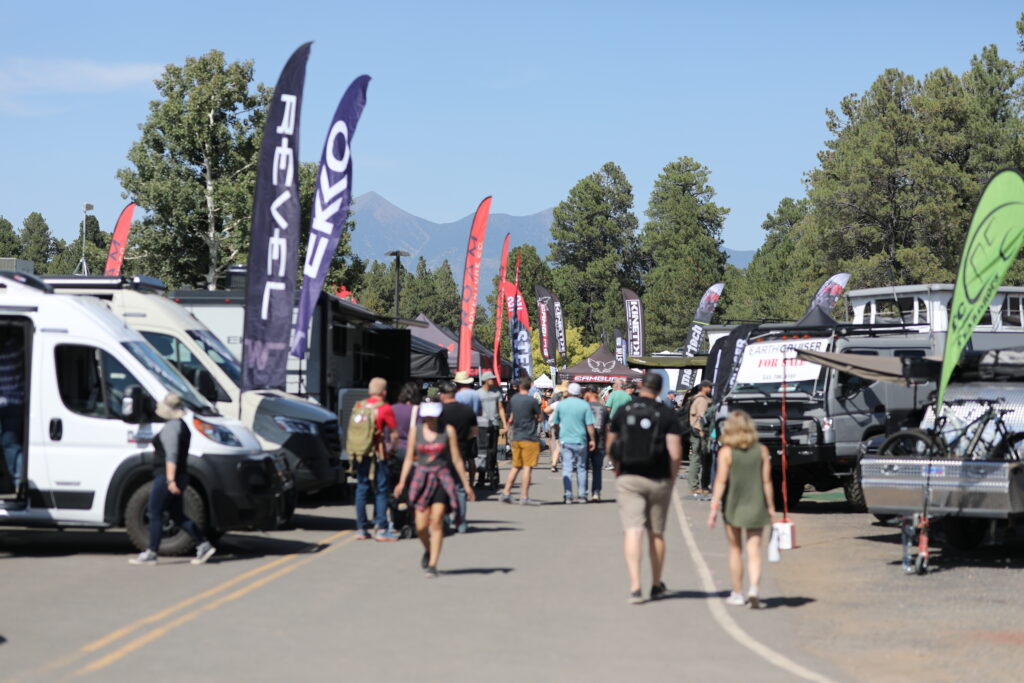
(401, 512)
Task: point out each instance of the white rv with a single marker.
(90, 385)
(305, 432)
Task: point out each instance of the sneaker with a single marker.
(431, 573)
(362, 535)
(504, 498)
(386, 536)
(658, 591)
(146, 557)
(529, 501)
(204, 552)
(596, 498)
(582, 500)
(753, 600)
(462, 528)
(568, 500)
(425, 561)
(636, 597)
(609, 466)
(735, 599)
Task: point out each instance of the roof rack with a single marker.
(137, 282)
(27, 279)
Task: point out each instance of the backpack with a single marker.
(642, 438)
(362, 428)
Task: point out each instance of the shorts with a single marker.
(643, 502)
(525, 453)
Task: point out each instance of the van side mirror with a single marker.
(207, 386)
(133, 405)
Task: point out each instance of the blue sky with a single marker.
(518, 100)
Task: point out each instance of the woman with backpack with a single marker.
(431, 455)
(743, 491)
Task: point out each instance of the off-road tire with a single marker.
(854, 491)
(175, 540)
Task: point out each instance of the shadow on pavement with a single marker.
(694, 595)
(54, 543)
(237, 547)
(473, 529)
(830, 507)
(2, 640)
(318, 523)
(772, 603)
(478, 570)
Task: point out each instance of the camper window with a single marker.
(985, 319)
(908, 310)
(1010, 314)
(91, 381)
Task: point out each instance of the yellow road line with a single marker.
(159, 632)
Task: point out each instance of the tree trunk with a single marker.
(212, 241)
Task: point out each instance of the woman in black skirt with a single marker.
(432, 453)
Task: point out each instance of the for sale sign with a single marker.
(763, 362)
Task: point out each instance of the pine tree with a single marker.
(595, 251)
(10, 245)
(37, 244)
(682, 240)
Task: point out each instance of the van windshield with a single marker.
(219, 354)
(168, 376)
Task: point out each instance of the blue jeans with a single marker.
(161, 499)
(12, 423)
(574, 457)
(380, 499)
(596, 458)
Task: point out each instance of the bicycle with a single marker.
(961, 441)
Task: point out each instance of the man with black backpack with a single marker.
(645, 445)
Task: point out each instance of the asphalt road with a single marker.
(531, 593)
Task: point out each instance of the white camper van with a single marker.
(90, 385)
(305, 432)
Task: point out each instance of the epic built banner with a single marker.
(273, 251)
(519, 323)
(993, 240)
(546, 323)
(471, 283)
(634, 323)
(829, 293)
(500, 307)
(119, 242)
(556, 307)
(705, 309)
(330, 206)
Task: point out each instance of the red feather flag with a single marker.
(119, 241)
(502, 268)
(471, 283)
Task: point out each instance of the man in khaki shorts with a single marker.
(646, 445)
(524, 415)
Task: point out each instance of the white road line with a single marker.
(724, 619)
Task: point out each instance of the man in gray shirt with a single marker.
(170, 479)
(491, 421)
(526, 414)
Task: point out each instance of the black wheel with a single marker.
(291, 499)
(884, 519)
(854, 491)
(175, 541)
(407, 531)
(921, 564)
(911, 443)
(965, 533)
(1011, 448)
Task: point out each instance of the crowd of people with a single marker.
(430, 450)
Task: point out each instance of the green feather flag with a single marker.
(995, 237)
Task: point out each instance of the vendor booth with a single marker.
(601, 368)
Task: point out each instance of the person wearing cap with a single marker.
(490, 420)
(573, 425)
(461, 417)
(617, 398)
(699, 439)
(430, 457)
(170, 479)
(560, 392)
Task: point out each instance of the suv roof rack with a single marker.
(27, 279)
(136, 282)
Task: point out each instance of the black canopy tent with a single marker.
(427, 361)
(600, 368)
(449, 342)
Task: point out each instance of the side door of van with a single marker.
(87, 438)
(16, 339)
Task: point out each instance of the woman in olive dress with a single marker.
(743, 492)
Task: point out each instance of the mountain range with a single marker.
(382, 227)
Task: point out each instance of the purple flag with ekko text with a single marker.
(274, 242)
(330, 207)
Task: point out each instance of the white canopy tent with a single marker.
(544, 382)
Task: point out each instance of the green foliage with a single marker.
(193, 170)
(595, 251)
(431, 292)
(37, 244)
(575, 349)
(682, 241)
(10, 245)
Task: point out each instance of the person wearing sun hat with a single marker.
(466, 394)
(170, 479)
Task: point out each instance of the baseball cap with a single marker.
(430, 409)
(575, 389)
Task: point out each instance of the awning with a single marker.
(893, 369)
(667, 361)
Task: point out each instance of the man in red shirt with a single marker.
(384, 417)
